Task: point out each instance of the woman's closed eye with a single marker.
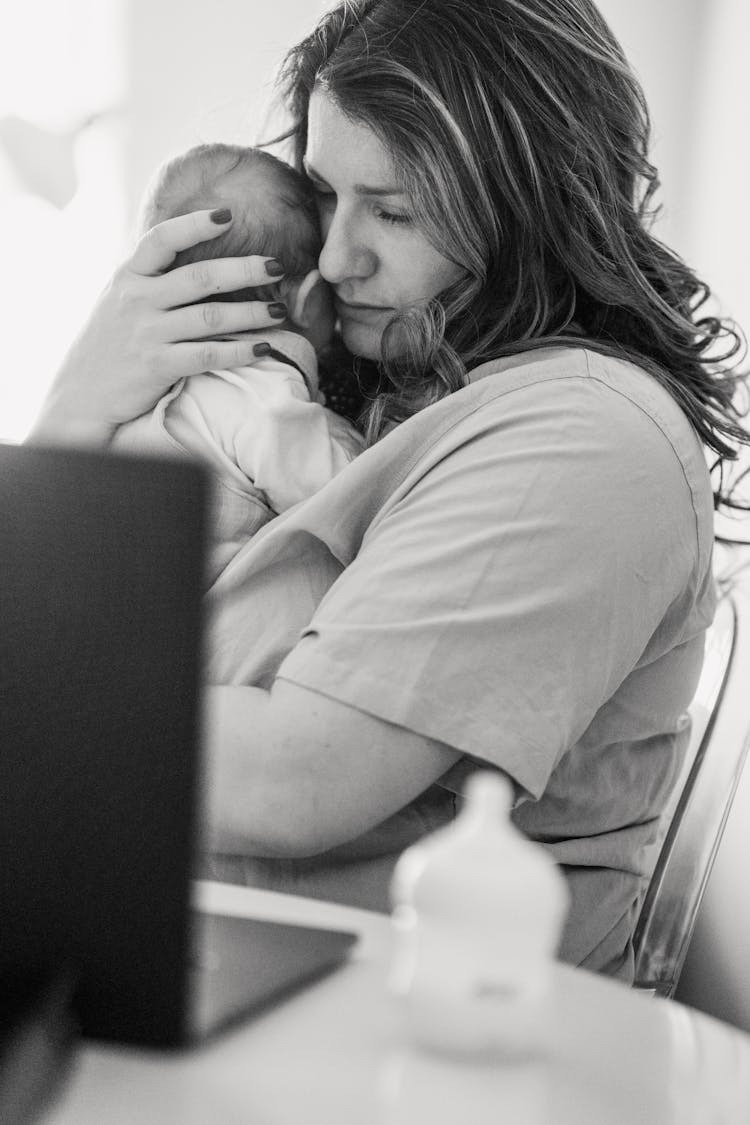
(326, 199)
(391, 216)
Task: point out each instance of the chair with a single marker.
(697, 814)
(716, 973)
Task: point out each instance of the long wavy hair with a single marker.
(520, 135)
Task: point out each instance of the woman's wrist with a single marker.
(60, 423)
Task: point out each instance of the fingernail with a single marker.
(261, 349)
(221, 215)
(274, 268)
(277, 310)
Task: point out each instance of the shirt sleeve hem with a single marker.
(515, 755)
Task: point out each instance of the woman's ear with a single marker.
(301, 298)
(310, 303)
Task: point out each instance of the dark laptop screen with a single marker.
(100, 587)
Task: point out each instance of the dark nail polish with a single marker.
(261, 349)
(274, 268)
(277, 310)
(221, 215)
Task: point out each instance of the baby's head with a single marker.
(274, 214)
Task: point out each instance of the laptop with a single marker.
(101, 561)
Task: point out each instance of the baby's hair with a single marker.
(281, 223)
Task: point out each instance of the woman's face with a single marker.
(374, 256)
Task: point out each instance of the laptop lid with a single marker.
(100, 582)
(101, 562)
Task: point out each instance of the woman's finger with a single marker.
(193, 282)
(207, 355)
(220, 318)
(157, 248)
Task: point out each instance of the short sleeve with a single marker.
(504, 592)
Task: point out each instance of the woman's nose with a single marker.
(344, 256)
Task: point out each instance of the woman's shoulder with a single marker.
(551, 368)
(626, 400)
(572, 399)
(596, 408)
(573, 409)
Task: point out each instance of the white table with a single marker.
(332, 1055)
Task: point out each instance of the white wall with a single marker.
(662, 39)
(718, 170)
(692, 59)
(60, 64)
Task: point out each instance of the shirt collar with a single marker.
(291, 346)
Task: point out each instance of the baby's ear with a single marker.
(300, 296)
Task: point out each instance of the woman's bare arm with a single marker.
(293, 773)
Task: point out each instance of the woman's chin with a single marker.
(361, 339)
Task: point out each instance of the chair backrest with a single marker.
(697, 812)
(716, 974)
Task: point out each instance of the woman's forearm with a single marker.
(64, 424)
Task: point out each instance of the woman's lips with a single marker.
(358, 311)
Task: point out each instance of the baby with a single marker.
(263, 429)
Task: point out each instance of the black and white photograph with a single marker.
(374, 562)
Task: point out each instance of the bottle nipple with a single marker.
(489, 795)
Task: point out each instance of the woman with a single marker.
(517, 570)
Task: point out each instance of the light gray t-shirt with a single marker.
(521, 571)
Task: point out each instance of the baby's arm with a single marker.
(259, 430)
(288, 445)
(146, 434)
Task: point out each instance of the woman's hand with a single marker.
(145, 332)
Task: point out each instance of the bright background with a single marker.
(94, 94)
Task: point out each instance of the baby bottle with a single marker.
(477, 915)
